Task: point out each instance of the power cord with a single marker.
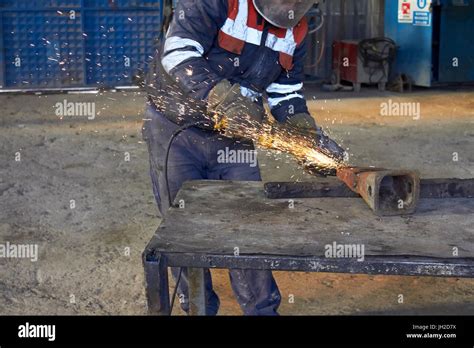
(313, 14)
(170, 143)
(168, 148)
(379, 51)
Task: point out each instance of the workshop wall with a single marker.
(343, 20)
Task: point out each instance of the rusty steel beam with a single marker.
(327, 187)
(387, 192)
(331, 187)
(447, 188)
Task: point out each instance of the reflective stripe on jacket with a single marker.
(212, 40)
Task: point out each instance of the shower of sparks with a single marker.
(303, 146)
(280, 137)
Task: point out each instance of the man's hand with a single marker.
(305, 122)
(232, 111)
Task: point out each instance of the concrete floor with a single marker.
(84, 266)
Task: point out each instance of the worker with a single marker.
(224, 56)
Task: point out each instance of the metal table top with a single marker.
(228, 224)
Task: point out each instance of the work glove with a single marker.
(233, 113)
(305, 122)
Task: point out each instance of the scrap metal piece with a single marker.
(387, 192)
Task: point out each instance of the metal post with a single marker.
(197, 295)
(156, 285)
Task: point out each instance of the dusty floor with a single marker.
(84, 266)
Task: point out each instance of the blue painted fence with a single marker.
(76, 43)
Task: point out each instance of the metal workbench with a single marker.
(223, 224)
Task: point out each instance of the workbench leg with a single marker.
(197, 292)
(156, 284)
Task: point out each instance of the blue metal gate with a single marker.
(456, 42)
(434, 39)
(117, 43)
(75, 43)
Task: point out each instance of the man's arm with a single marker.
(288, 104)
(285, 95)
(195, 26)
